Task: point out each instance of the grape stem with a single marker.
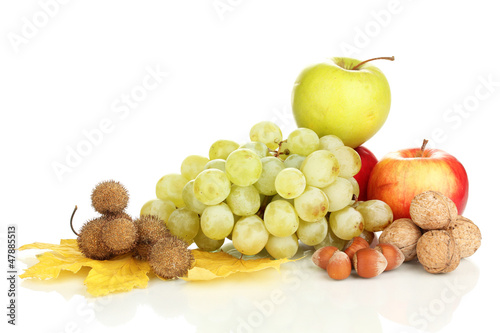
(71, 221)
(364, 62)
(277, 153)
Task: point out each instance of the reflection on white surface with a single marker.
(299, 298)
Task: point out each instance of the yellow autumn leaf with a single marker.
(66, 256)
(212, 265)
(122, 273)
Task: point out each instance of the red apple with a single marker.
(401, 175)
(368, 161)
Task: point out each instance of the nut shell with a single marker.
(393, 255)
(322, 256)
(432, 210)
(339, 266)
(119, 235)
(466, 234)
(438, 252)
(404, 234)
(369, 262)
(109, 197)
(354, 245)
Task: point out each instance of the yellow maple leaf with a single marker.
(66, 256)
(212, 265)
(122, 273)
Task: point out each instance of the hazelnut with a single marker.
(355, 244)
(432, 210)
(393, 255)
(438, 252)
(404, 234)
(339, 266)
(368, 236)
(369, 262)
(466, 234)
(321, 256)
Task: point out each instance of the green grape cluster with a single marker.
(268, 193)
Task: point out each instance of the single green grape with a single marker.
(268, 133)
(207, 244)
(221, 149)
(244, 200)
(257, 147)
(280, 218)
(170, 187)
(217, 221)
(211, 186)
(339, 194)
(271, 166)
(216, 164)
(349, 161)
(243, 167)
(312, 233)
(192, 165)
(377, 215)
(249, 235)
(330, 142)
(190, 199)
(346, 223)
(184, 223)
(294, 161)
(290, 183)
(303, 141)
(312, 204)
(159, 208)
(282, 247)
(321, 168)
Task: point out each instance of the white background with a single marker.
(225, 65)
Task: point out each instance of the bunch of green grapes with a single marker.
(269, 193)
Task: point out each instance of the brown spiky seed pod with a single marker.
(150, 229)
(109, 197)
(90, 242)
(432, 210)
(170, 258)
(466, 234)
(120, 235)
(119, 215)
(438, 252)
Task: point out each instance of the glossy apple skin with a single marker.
(401, 175)
(331, 98)
(368, 162)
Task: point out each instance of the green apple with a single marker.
(344, 97)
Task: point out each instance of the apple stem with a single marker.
(422, 149)
(71, 221)
(364, 62)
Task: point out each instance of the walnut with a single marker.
(404, 234)
(438, 252)
(466, 234)
(432, 210)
